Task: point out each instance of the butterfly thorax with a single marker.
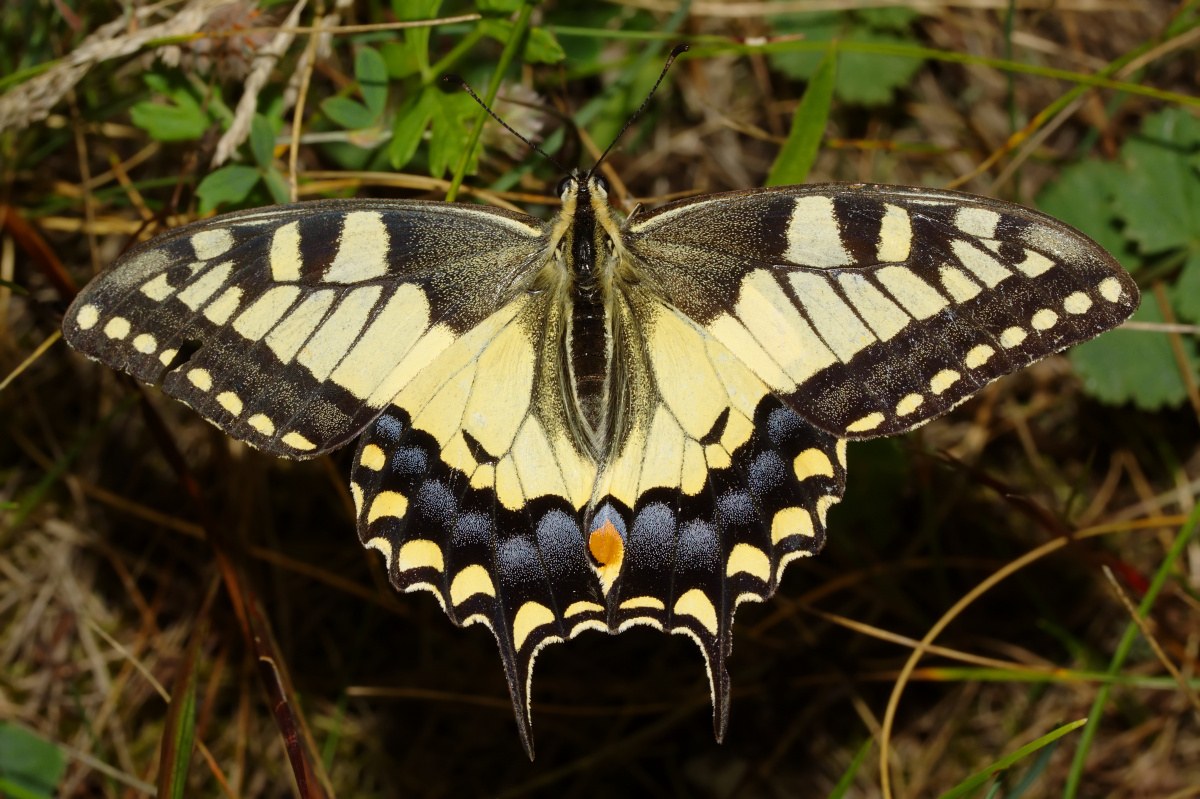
(588, 229)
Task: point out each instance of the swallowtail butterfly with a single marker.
(597, 422)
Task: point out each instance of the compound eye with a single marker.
(602, 182)
(564, 184)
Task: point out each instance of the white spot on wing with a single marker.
(199, 290)
(117, 327)
(328, 346)
(1077, 303)
(145, 343)
(814, 238)
(362, 249)
(1012, 337)
(257, 320)
(917, 296)
(960, 287)
(983, 266)
(943, 380)
(1044, 319)
(1110, 289)
(909, 404)
(286, 258)
(895, 236)
(219, 310)
(201, 379)
(978, 222)
(211, 243)
(295, 329)
(979, 355)
(87, 317)
(868, 422)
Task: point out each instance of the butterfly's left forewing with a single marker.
(292, 327)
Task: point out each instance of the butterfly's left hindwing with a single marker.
(304, 319)
(873, 309)
(472, 486)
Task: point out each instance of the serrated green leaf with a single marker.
(817, 27)
(1160, 195)
(262, 141)
(1131, 365)
(350, 114)
(869, 79)
(371, 73)
(1082, 196)
(277, 184)
(542, 48)
(451, 131)
(1186, 292)
(411, 120)
(862, 78)
(796, 156)
(417, 39)
(229, 184)
(29, 763)
(498, 6)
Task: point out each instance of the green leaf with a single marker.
(542, 48)
(1082, 196)
(869, 79)
(277, 184)
(28, 763)
(863, 78)
(896, 18)
(451, 131)
(411, 121)
(498, 6)
(262, 141)
(372, 75)
(399, 59)
(1160, 194)
(1131, 365)
(229, 184)
(179, 727)
(181, 120)
(350, 114)
(972, 783)
(796, 156)
(1186, 293)
(498, 29)
(417, 39)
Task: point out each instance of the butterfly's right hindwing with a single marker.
(297, 324)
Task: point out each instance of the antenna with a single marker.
(675, 53)
(475, 97)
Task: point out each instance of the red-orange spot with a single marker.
(606, 545)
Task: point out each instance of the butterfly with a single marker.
(597, 422)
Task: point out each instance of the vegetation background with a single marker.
(145, 555)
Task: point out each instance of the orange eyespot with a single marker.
(606, 545)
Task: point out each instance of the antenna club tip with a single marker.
(454, 79)
(679, 50)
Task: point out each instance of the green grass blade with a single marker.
(179, 729)
(1075, 776)
(978, 779)
(798, 153)
(506, 57)
(847, 779)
